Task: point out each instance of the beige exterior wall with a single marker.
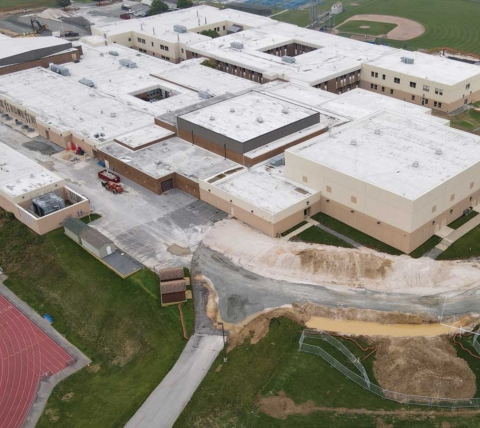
(400, 222)
(269, 223)
(452, 98)
(42, 225)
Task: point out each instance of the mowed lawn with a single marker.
(228, 396)
(448, 23)
(374, 28)
(119, 324)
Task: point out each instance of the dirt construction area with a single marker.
(406, 29)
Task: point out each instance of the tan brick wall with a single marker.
(165, 125)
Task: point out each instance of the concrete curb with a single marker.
(46, 386)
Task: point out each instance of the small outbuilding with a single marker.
(73, 228)
(170, 274)
(97, 243)
(173, 286)
(336, 8)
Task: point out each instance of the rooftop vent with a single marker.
(415, 164)
(278, 160)
(232, 110)
(179, 28)
(377, 131)
(204, 95)
(353, 142)
(47, 204)
(113, 53)
(113, 114)
(260, 119)
(288, 59)
(407, 60)
(212, 118)
(285, 110)
(237, 45)
(438, 152)
(127, 63)
(87, 82)
(59, 69)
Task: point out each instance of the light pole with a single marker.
(224, 344)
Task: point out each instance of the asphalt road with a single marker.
(242, 293)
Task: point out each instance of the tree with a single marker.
(210, 33)
(184, 4)
(157, 8)
(63, 3)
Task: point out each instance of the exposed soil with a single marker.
(68, 396)
(280, 406)
(406, 28)
(426, 366)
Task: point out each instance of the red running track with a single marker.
(27, 355)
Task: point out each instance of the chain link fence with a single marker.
(364, 381)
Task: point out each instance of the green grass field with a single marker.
(375, 28)
(467, 246)
(460, 221)
(315, 235)
(228, 397)
(119, 324)
(356, 235)
(426, 246)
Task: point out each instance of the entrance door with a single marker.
(167, 185)
(47, 134)
(306, 212)
(444, 222)
(437, 227)
(109, 249)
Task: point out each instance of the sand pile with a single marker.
(426, 366)
(336, 267)
(54, 14)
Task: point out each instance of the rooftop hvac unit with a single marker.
(278, 160)
(113, 53)
(288, 59)
(237, 45)
(47, 204)
(180, 28)
(204, 95)
(127, 63)
(87, 82)
(59, 69)
(407, 60)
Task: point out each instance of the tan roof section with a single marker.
(175, 286)
(171, 273)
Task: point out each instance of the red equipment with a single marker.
(108, 176)
(112, 187)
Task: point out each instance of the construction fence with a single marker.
(363, 380)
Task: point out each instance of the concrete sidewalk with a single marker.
(167, 401)
(455, 235)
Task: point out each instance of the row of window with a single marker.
(425, 100)
(426, 88)
(140, 40)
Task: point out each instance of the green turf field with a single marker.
(228, 396)
(119, 324)
(374, 28)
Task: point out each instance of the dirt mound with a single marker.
(280, 406)
(347, 264)
(54, 14)
(426, 366)
(258, 327)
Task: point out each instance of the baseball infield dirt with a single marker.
(406, 28)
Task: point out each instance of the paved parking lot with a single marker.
(157, 230)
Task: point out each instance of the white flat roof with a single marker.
(385, 159)
(265, 186)
(334, 56)
(430, 67)
(358, 103)
(143, 136)
(197, 77)
(16, 46)
(67, 105)
(20, 175)
(248, 116)
(161, 26)
(302, 94)
(169, 156)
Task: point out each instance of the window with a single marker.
(371, 85)
(353, 199)
(329, 189)
(375, 86)
(152, 44)
(166, 58)
(224, 28)
(305, 179)
(166, 48)
(452, 197)
(434, 208)
(435, 104)
(373, 74)
(396, 80)
(426, 102)
(376, 74)
(182, 50)
(413, 85)
(468, 86)
(143, 41)
(413, 97)
(129, 39)
(439, 105)
(383, 88)
(162, 47)
(439, 91)
(426, 88)
(391, 91)
(383, 77)
(139, 40)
